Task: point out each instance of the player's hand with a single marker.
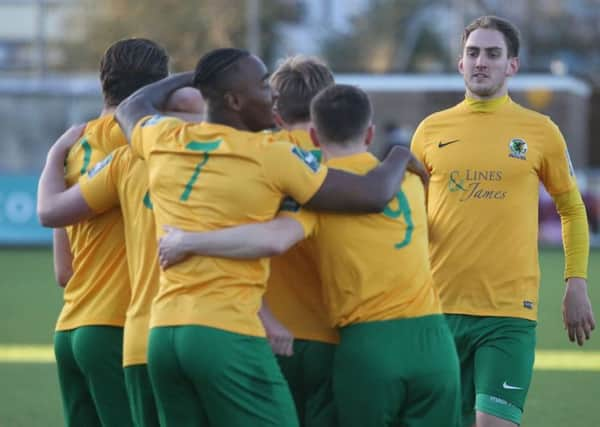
(280, 338)
(416, 167)
(578, 316)
(64, 143)
(413, 165)
(170, 247)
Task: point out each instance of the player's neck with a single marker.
(107, 110)
(500, 93)
(220, 117)
(486, 105)
(333, 151)
(305, 126)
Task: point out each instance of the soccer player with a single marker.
(118, 180)
(396, 363)
(294, 287)
(208, 359)
(487, 156)
(89, 333)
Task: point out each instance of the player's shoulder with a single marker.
(530, 115)
(122, 154)
(94, 128)
(443, 115)
(281, 152)
(268, 145)
(104, 134)
(271, 136)
(91, 138)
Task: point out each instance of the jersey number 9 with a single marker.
(403, 210)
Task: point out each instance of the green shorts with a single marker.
(141, 396)
(397, 372)
(90, 372)
(204, 376)
(496, 359)
(308, 374)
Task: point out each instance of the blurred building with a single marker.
(306, 33)
(32, 33)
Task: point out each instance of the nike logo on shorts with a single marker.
(510, 387)
(443, 144)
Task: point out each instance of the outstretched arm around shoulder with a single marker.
(149, 100)
(247, 241)
(58, 206)
(346, 192)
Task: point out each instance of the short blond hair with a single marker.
(298, 79)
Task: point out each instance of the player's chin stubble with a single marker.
(483, 91)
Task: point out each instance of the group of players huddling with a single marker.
(400, 292)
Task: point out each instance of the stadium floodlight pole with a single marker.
(253, 26)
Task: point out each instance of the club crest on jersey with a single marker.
(518, 148)
(99, 166)
(307, 157)
(153, 120)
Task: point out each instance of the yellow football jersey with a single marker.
(294, 291)
(374, 267)
(98, 291)
(486, 160)
(121, 179)
(206, 177)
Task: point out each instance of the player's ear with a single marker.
(370, 134)
(461, 68)
(314, 136)
(232, 101)
(513, 66)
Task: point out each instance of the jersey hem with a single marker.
(486, 313)
(241, 331)
(70, 326)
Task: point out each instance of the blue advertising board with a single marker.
(19, 224)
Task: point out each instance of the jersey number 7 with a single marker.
(205, 148)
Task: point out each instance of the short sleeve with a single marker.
(150, 131)
(293, 171)
(556, 171)
(100, 185)
(292, 209)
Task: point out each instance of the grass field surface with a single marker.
(565, 389)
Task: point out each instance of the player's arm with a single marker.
(249, 241)
(577, 309)
(63, 258)
(58, 206)
(346, 192)
(149, 100)
(556, 172)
